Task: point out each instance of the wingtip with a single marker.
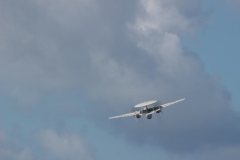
(182, 99)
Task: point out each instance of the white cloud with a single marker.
(64, 146)
(164, 16)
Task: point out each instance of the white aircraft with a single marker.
(147, 109)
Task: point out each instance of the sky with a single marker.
(68, 65)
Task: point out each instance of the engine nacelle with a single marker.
(149, 116)
(138, 116)
(159, 111)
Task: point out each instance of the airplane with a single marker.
(147, 109)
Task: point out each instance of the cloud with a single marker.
(180, 73)
(64, 146)
(10, 149)
(205, 119)
(171, 20)
(117, 59)
(47, 45)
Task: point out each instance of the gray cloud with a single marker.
(11, 149)
(118, 56)
(47, 45)
(205, 119)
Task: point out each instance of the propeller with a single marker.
(134, 110)
(161, 110)
(137, 113)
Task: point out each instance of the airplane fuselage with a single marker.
(148, 111)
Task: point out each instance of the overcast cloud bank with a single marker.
(118, 54)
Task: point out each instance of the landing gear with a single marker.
(149, 116)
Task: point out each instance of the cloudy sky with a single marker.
(68, 65)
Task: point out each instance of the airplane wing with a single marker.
(168, 104)
(124, 115)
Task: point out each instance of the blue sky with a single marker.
(217, 45)
(66, 66)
